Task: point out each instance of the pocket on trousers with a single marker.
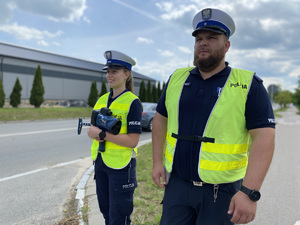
(126, 180)
(125, 187)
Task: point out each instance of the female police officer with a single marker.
(115, 167)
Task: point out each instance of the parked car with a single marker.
(73, 103)
(149, 110)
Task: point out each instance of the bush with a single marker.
(37, 91)
(15, 96)
(93, 96)
(2, 95)
(103, 88)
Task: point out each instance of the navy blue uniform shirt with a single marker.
(196, 103)
(134, 117)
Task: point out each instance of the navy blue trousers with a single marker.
(187, 204)
(115, 190)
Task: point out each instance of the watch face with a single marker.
(255, 195)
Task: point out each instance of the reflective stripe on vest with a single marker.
(225, 160)
(115, 156)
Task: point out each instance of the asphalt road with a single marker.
(280, 201)
(40, 162)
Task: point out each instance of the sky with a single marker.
(157, 33)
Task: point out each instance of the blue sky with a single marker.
(157, 33)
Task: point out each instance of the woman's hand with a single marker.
(93, 133)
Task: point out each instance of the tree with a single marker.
(142, 92)
(296, 95)
(159, 91)
(15, 96)
(2, 94)
(149, 97)
(154, 94)
(283, 98)
(103, 88)
(93, 96)
(37, 91)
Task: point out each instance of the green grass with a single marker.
(148, 196)
(17, 114)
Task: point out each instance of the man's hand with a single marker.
(242, 208)
(159, 175)
(159, 133)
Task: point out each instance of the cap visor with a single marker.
(113, 66)
(213, 29)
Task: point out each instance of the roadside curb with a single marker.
(80, 194)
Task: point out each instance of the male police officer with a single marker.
(206, 116)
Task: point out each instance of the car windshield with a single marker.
(149, 107)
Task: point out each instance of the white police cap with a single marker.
(117, 60)
(213, 20)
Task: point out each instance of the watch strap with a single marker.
(247, 191)
(102, 135)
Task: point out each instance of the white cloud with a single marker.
(26, 33)
(269, 24)
(6, 11)
(260, 53)
(281, 81)
(56, 43)
(165, 6)
(42, 42)
(166, 53)
(144, 40)
(87, 20)
(295, 72)
(56, 10)
(161, 70)
(173, 13)
(185, 49)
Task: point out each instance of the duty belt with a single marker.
(193, 138)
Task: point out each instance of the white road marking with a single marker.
(38, 170)
(36, 132)
(298, 222)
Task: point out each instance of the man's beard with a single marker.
(210, 63)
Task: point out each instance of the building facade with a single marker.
(64, 78)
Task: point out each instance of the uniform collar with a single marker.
(111, 93)
(224, 72)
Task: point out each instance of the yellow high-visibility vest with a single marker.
(115, 156)
(226, 159)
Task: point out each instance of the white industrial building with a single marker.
(64, 78)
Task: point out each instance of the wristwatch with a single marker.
(102, 135)
(253, 194)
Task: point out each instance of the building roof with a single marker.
(14, 51)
